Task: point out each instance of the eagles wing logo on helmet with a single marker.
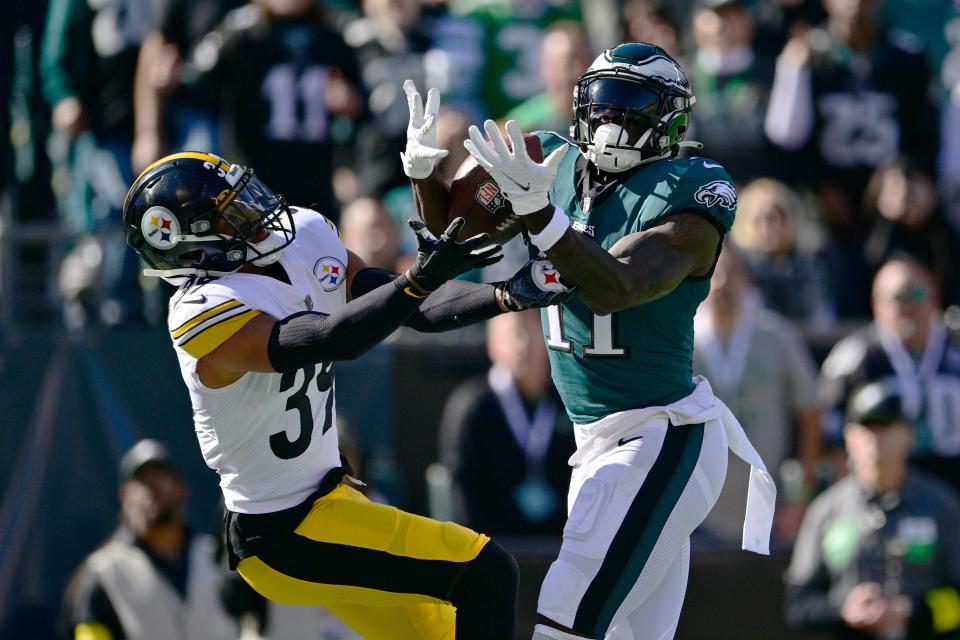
(659, 68)
(717, 192)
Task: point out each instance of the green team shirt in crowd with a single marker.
(494, 48)
(641, 356)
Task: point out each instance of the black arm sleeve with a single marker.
(456, 304)
(307, 338)
(366, 280)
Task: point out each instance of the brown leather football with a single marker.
(476, 198)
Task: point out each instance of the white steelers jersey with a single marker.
(270, 436)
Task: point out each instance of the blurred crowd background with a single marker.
(838, 119)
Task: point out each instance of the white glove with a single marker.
(524, 182)
(421, 153)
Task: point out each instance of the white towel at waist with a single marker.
(701, 406)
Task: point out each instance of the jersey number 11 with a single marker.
(601, 342)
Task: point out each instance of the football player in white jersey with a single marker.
(269, 300)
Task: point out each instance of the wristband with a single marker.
(409, 286)
(551, 233)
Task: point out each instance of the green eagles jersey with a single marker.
(494, 49)
(641, 356)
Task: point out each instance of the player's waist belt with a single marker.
(701, 406)
(247, 533)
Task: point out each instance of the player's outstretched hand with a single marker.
(439, 260)
(523, 181)
(535, 286)
(421, 153)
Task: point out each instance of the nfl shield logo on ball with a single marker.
(489, 195)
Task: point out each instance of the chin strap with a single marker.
(177, 277)
(693, 144)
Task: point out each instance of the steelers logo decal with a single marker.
(545, 276)
(330, 272)
(160, 227)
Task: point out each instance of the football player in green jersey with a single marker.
(638, 230)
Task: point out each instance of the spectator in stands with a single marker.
(451, 132)
(170, 116)
(506, 438)
(732, 83)
(369, 231)
(761, 368)
(564, 55)
(87, 66)
(488, 55)
(949, 167)
(154, 578)
(878, 555)
(847, 98)
(909, 346)
(793, 283)
(901, 201)
(390, 40)
(288, 87)
(778, 20)
(650, 21)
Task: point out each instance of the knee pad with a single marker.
(493, 573)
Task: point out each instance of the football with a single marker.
(476, 198)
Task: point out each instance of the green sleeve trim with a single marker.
(549, 140)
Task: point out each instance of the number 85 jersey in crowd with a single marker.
(270, 436)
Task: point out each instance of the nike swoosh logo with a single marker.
(413, 294)
(201, 299)
(624, 441)
(525, 188)
(709, 165)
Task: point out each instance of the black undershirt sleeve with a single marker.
(456, 304)
(307, 338)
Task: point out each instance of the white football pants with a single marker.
(622, 569)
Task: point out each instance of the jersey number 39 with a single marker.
(299, 401)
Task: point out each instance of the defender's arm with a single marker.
(640, 267)
(265, 344)
(459, 303)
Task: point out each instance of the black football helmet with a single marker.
(195, 213)
(632, 106)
